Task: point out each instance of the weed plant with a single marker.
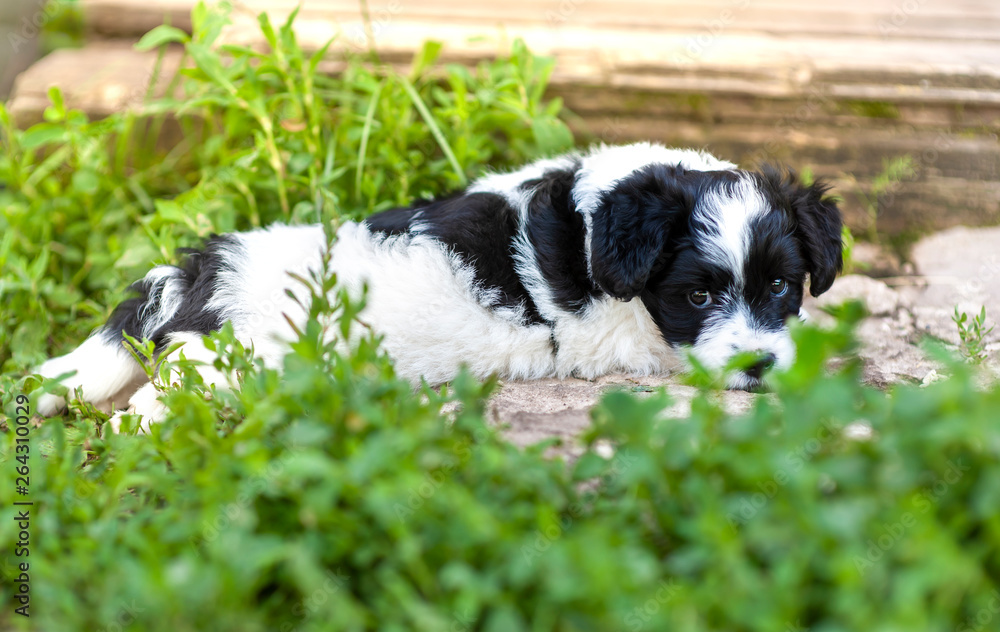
(972, 333)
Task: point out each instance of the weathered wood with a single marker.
(838, 87)
(918, 19)
(99, 79)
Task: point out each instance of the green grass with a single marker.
(332, 496)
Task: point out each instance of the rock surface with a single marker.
(536, 410)
(958, 267)
(961, 267)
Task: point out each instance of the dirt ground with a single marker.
(907, 302)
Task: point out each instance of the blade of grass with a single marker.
(366, 19)
(435, 130)
(365, 134)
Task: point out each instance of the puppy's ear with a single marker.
(818, 226)
(630, 227)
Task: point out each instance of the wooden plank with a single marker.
(936, 19)
(100, 79)
(838, 88)
(778, 53)
(751, 109)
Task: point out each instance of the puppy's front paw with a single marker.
(145, 403)
(50, 405)
(118, 420)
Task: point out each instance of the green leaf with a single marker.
(435, 129)
(551, 135)
(317, 57)
(590, 465)
(58, 104)
(365, 134)
(423, 60)
(171, 212)
(163, 34)
(136, 256)
(43, 134)
(86, 181)
(208, 62)
(299, 162)
(265, 27)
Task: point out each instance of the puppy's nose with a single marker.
(757, 369)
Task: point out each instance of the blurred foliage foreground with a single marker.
(334, 497)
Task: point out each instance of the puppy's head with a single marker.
(719, 258)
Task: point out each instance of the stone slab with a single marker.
(961, 267)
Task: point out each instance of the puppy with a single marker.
(586, 264)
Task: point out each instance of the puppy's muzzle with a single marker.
(756, 370)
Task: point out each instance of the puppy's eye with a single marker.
(779, 287)
(700, 298)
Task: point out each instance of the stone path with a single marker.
(960, 266)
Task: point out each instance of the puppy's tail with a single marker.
(105, 372)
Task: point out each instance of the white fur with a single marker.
(435, 319)
(163, 282)
(102, 373)
(609, 336)
(252, 292)
(146, 403)
(508, 184)
(728, 219)
(433, 316)
(730, 332)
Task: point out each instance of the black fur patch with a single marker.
(556, 232)
(197, 277)
(666, 295)
(774, 253)
(817, 223)
(391, 222)
(201, 270)
(125, 318)
(480, 229)
(635, 222)
(396, 221)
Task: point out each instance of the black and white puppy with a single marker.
(581, 265)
